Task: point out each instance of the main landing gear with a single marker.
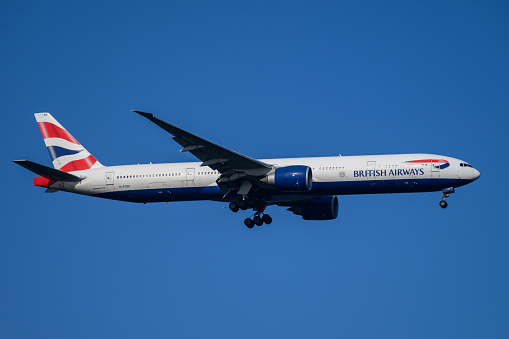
(258, 220)
(445, 194)
(235, 206)
(259, 217)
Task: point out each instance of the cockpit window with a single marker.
(464, 164)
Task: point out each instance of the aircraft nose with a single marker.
(475, 174)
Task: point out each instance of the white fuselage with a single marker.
(331, 175)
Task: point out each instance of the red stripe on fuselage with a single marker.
(428, 160)
(80, 165)
(50, 130)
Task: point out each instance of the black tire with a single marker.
(257, 220)
(234, 207)
(249, 223)
(243, 205)
(443, 203)
(267, 219)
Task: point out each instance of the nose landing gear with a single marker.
(445, 194)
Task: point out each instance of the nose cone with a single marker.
(475, 174)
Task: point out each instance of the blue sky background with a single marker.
(268, 79)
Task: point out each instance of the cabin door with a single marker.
(190, 174)
(435, 166)
(109, 178)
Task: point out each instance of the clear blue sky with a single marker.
(268, 79)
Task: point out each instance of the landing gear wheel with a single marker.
(257, 220)
(266, 219)
(443, 203)
(234, 206)
(249, 223)
(243, 205)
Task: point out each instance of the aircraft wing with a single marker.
(235, 168)
(211, 154)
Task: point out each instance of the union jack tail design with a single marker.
(66, 152)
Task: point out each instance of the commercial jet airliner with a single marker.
(306, 186)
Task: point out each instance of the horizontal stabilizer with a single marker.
(47, 171)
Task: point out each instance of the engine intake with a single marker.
(322, 208)
(296, 178)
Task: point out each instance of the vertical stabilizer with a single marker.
(67, 153)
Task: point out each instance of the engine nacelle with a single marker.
(322, 208)
(297, 178)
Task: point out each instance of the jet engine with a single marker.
(297, 178)
(322, 208)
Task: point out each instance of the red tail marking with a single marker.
(43, 181)
(50, 130)
(80, 165)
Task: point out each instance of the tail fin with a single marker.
(67, 153)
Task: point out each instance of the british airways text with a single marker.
(390, 173)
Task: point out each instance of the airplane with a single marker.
(308, 187)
